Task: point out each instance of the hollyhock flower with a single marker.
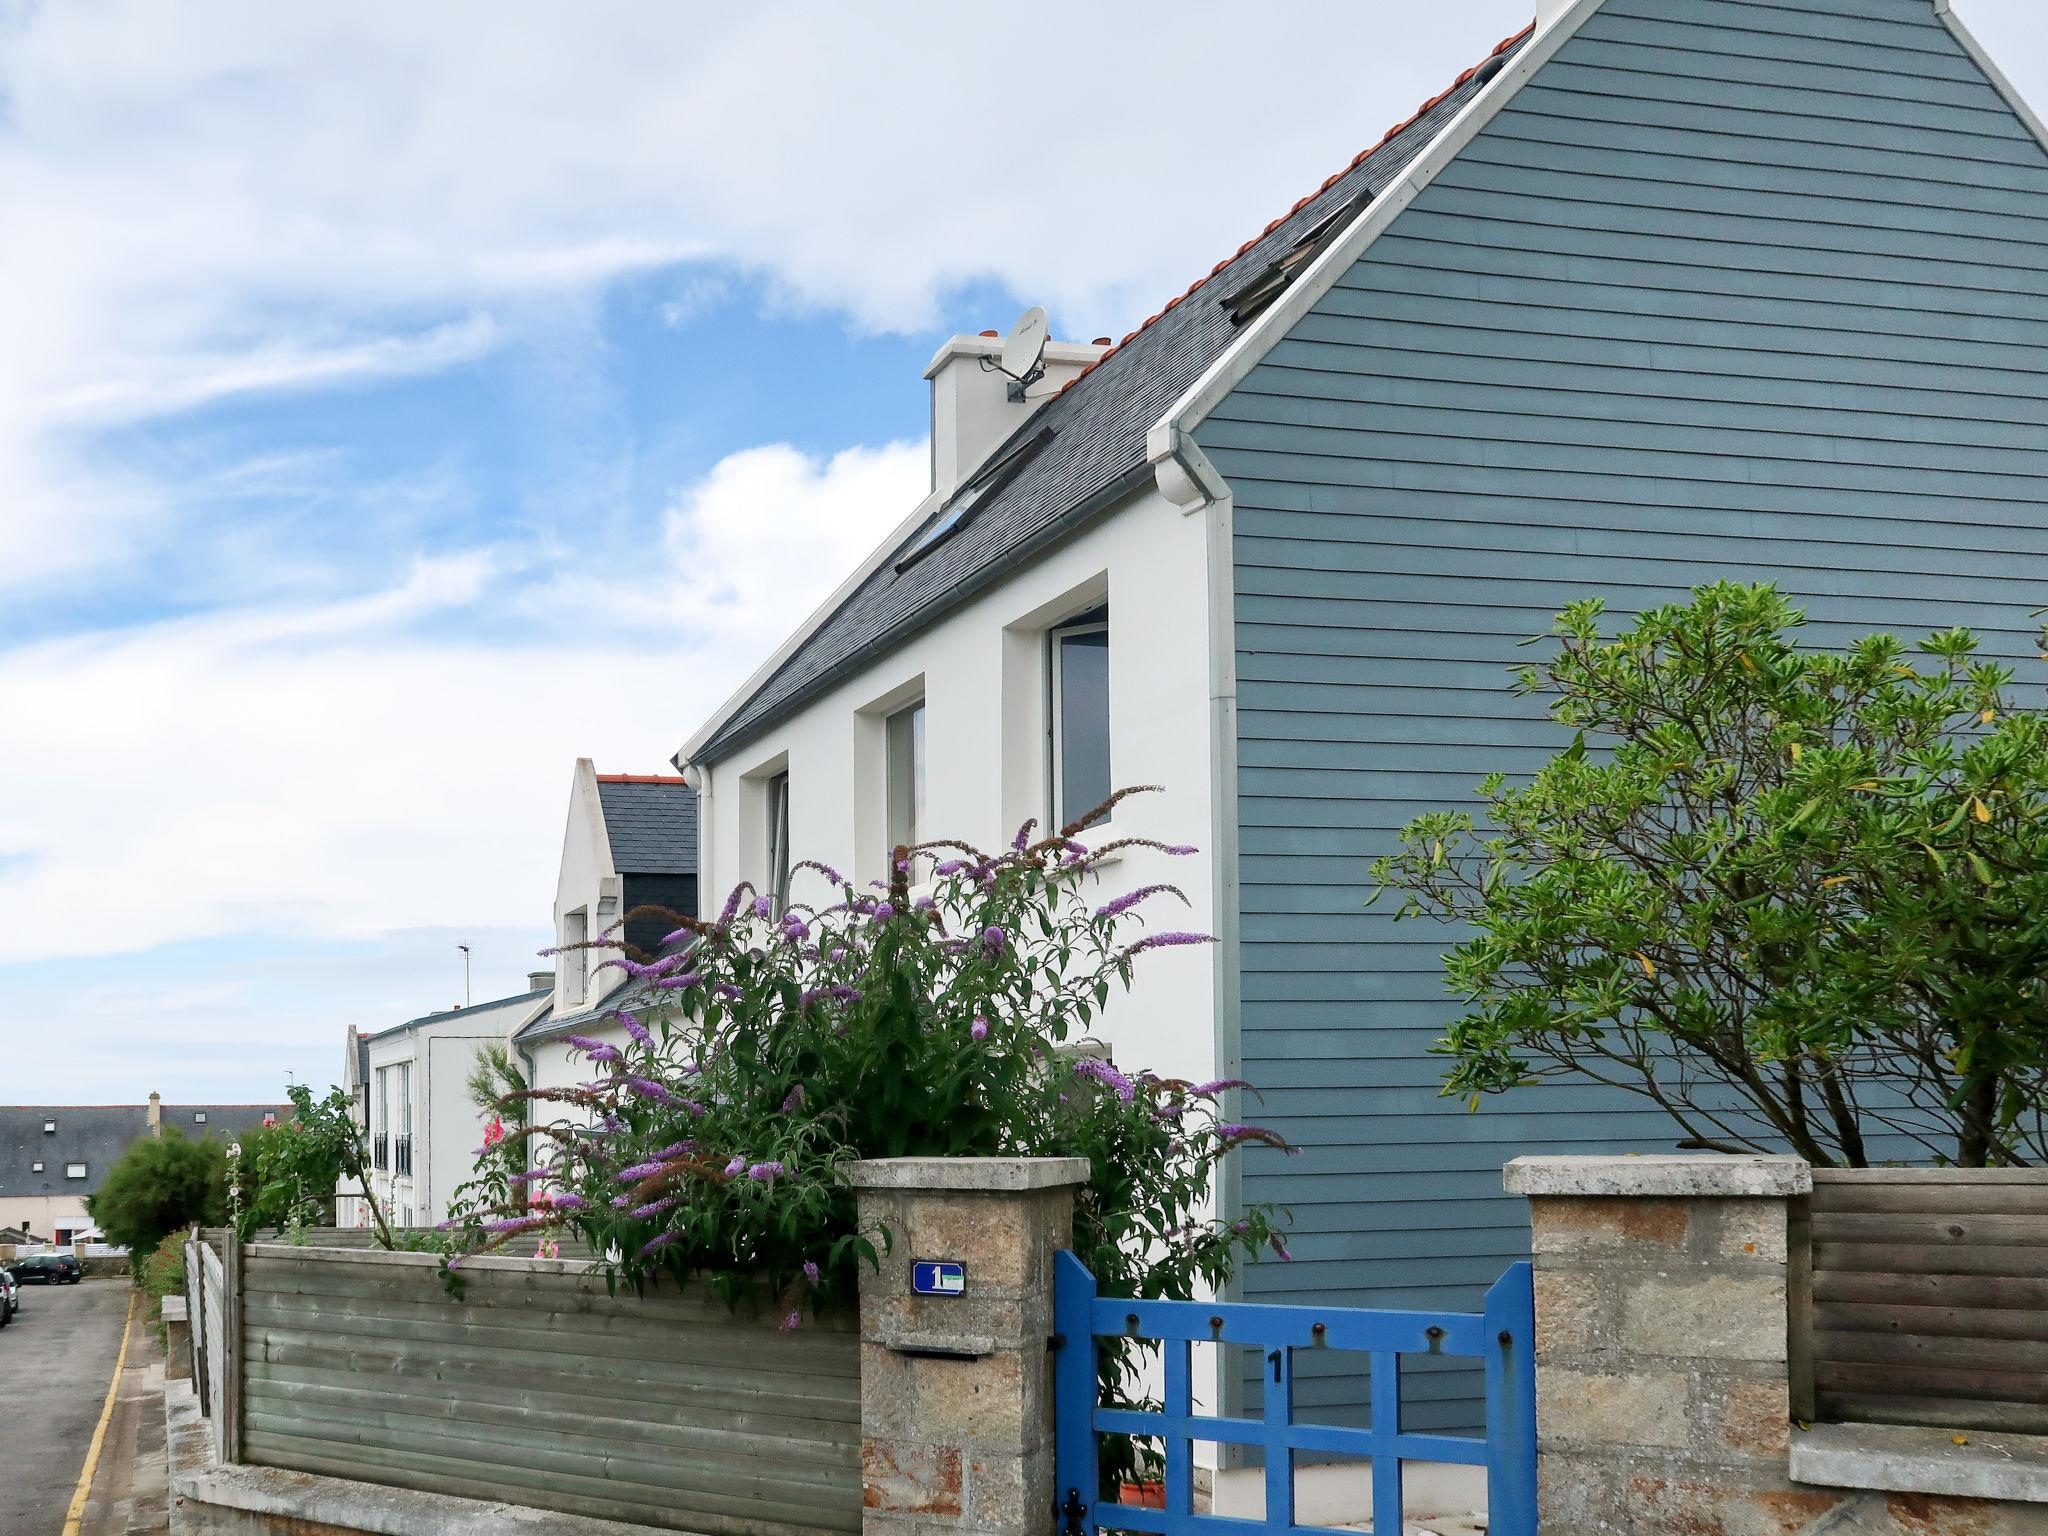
(547, 1248)
(979, 1028)
(494, 1132)
(1108, 1076)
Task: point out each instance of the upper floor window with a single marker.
(575, 961)
(904, 743)
(74, 1170)
(1079, 716)
(776, 870)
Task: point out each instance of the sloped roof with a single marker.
(1096, 455)
(97, 1135)
(517, 999)
(651, 823)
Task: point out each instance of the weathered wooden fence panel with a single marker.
(210, 1328)
(1929, 1297)
(538, 1388)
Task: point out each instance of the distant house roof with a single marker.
(651, 822)
(96, 1135)
(445, 1015)
(1096, 453)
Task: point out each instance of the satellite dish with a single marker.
(1023, 355)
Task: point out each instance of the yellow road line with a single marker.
(76, 1512)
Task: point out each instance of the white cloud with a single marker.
(344, 769)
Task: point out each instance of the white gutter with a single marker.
(1185, 475)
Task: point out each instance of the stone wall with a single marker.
(1662, 1404)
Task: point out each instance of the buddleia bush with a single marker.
(1796, 897)
(946, 1012)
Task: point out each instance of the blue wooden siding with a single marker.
(1731, 289)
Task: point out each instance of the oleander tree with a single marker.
(1795, 897)
(945, 1012)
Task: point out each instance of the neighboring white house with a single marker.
(423, 1126)
(630, 844)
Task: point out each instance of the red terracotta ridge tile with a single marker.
(638, 778)
(1391, 134)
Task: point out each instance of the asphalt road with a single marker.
(56, 1359)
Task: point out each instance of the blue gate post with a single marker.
(1076, 1475)
(1511, 1403)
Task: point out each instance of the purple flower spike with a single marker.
(674, 1149)
(949, 867)
(1130, 899)
(811, 1270)
(655, 1245)
(992, 940)
(736, 1167)
(792, 1322)
(1108, 1076)
(568, 1200)
(639, 1171)
(647, 1088)
(1168, 941)
(1209, 1090)
(636, 1029)
(1280, 1252)
(792, 1099)
(979, 1028)
(766, 1173)
(903, 866)
(1023, 838)
(883, 912)
(654, 1207)
(763, 907)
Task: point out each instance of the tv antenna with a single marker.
(1022, 360)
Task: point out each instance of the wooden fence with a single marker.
(536, 1387)
(1920, 1296)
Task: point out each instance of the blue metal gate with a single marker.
(1503, 1337)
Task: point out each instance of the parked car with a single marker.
(10, 1298)
(49, 1269)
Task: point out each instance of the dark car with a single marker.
(49, 1269)
(10, 1298)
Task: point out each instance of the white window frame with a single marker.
(35, 1168)
(906, 765)
(76, 1171)
(199, 1117)
(1055, 788)
(575, 960)
(775, 812)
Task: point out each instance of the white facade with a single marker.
(984, 675)
(424, 1129)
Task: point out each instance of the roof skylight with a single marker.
(983, 484)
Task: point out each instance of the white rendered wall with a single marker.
(981, 671)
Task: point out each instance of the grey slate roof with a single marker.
(651, 823)
(97, 1135)
(1097, 453)
(444, 1015)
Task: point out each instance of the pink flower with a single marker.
(494, 1132)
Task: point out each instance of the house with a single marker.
(1660, 292)
(52, 1157)
(630, 844)
(423, 1123)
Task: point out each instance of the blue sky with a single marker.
(398, 403)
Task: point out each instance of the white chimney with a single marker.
(972, 412)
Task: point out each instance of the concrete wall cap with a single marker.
(1684, 1175)
(969, 1175)
(1901, 1459)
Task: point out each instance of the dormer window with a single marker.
(49, 1127)
(199, 1117)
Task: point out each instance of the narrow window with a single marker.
(1079, 746)
(381, 1143)
(905, 733)
(777, 872)
(575, 962)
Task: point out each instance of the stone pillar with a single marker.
(1661, 1397)
(956, 1389)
